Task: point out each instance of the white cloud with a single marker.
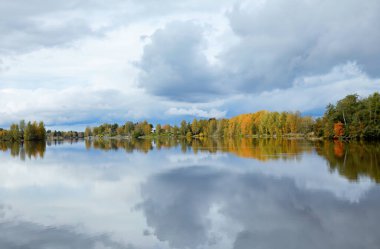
(73, 105)
(310, 94)
(212, 113)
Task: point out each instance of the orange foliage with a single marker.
(338, 129)
(166, 128)
(246, 123)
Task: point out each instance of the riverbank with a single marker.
(170, 136)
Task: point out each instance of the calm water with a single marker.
(243, 193)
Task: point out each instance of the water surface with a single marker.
(242, 193)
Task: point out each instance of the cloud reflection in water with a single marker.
(270, 212)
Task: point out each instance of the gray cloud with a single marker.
(269, 212)
(277, 43)
(37, 24)
(27, 26)
(280, 41)
(29, 35)
(174, 65)
(2, 67)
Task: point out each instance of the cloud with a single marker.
(32, 36)
(309, 94)
(39, 24)
(173, 64)
(2, 67)
(72, 105)
(276, 43)
(213, 113)
(281, 41)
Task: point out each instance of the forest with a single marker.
(259, 123)
(24, 132)
(351, 117)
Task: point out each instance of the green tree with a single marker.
(183, 128)
(41, 131)
(14, 132)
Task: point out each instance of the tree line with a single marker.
(129, 129)
(60, 135)
(31, 131)
(351, 117)
(262, 123)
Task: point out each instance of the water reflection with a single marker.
(189, 207)
(172, 193)
(17, 235)
(25, 150)
(141, 145)
(56, 142)
(352, 160)
(260, 149)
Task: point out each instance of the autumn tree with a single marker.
(158, 129)
(14, 132)
(338, 129)
(195, 128)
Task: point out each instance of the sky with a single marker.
(74, 63)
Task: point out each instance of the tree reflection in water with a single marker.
(352, 160)
(260, 149)
(27, 149)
